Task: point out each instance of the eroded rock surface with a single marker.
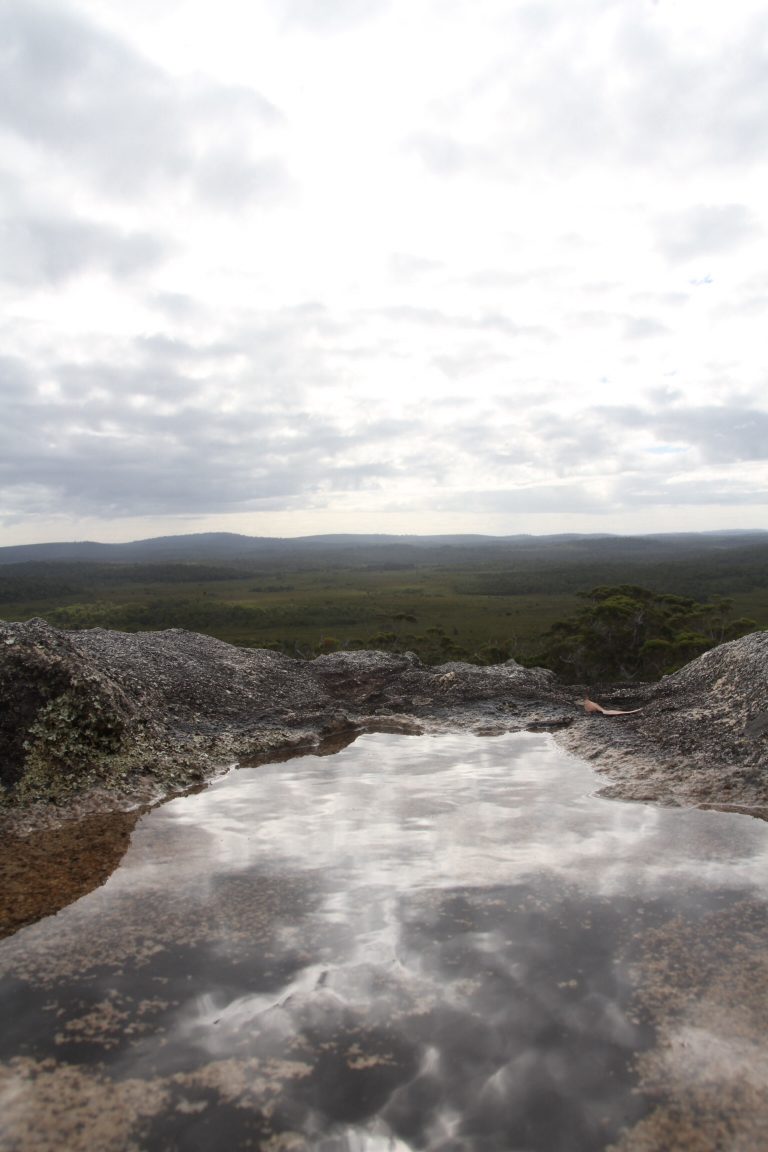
(95, 719)
(700, 738)
(135, 715)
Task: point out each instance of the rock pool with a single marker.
(436, 942)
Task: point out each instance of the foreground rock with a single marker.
(96, 719)
(700, 738)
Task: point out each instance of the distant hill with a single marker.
(207, 547)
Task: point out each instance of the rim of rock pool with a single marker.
(98, 720)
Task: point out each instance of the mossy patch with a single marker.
(66, 747)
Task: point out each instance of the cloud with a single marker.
(328, 15)
(721, 434)
(406, 266)
(641, 492)
(151, 438)
(471, 302)
(643, 328)
(49, 250)
(469, 362)
(566, 88)
(84, 97)
(483, 321)
(705, 230)
(443, 153)
(529, 500)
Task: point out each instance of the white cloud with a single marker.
(36, 249)
(286, 266)
(705, 229)
(101, 112)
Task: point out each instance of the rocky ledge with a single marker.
(95, 719)
(701, 736)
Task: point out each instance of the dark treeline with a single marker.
(692, 565)
(485, 602)
(43, 580)
(625, 632)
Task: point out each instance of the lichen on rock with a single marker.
(142, 714)
(131, 716)
(60, 724)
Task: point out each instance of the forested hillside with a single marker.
(482, 599)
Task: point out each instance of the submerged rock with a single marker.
(95, 719)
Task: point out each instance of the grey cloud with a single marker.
(688, 107)
(406, 266)
(643, 327)
(328, 15)
(569, 446)
(661, 299)
(539, 499)
(176, 305)
(16, 378)
(203, 465)
(496, 278)
(665, 395)
(116, 439)
(443, 153)
(603, 83)
(35, 249)
(704, 105)
(632, 327)
(749, 305)
(149, 430)
(415, 315)
(591, 319)
(676, 434)
(704, 230)
(721, 433)
(479, 322)
(107, 390)
(228, 179)
(469, 362)
(81, 94)
(643, 492)
(518, 434)
(214, 101)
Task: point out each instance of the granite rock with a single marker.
(97, 719)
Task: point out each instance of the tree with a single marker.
(626, 632)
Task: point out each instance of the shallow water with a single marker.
(418, 943)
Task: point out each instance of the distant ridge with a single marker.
(208, 546)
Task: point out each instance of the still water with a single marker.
(441, 943)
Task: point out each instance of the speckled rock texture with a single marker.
(700, 738)
(99, 719)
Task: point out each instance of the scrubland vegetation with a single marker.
(591, 608)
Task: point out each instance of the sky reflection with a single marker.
(446, 810)
(420, 942)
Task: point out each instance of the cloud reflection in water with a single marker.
(417, 943)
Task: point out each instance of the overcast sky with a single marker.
(293, 266)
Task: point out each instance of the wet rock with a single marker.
(93, 715)
(59, 719)
(700, 738)
(55, 866)
(99, 718)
